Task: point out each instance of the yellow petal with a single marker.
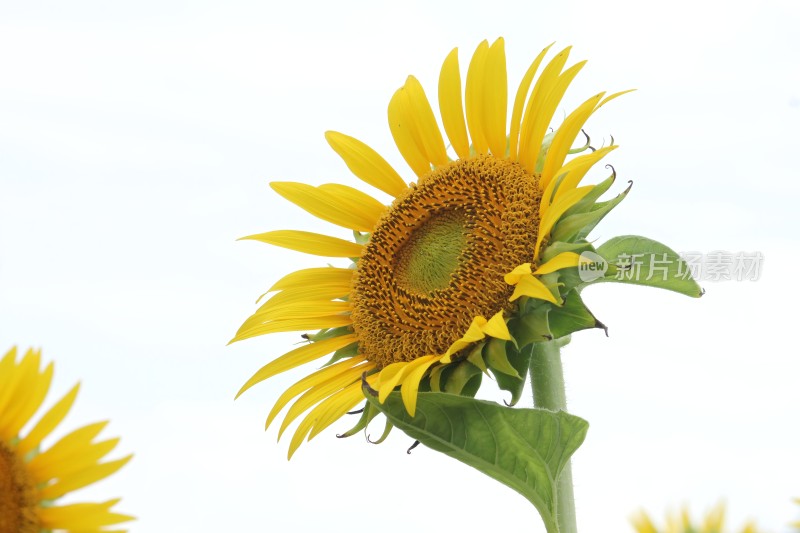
(545, 114)
(475, 98)
(562, 260)
(336, 408)
(474, 333)
(360, 213)
(576, 169)
(304, 309)
(427, 130)
(293, 324)
(403, 128)
(555, 211)
(81, 516)
(320, 376)
(496, 99)
(496, 327)
(314, 276)
(533, 288)
(33, 390)
(87, 457)
(307, 293)
(451, 106)
(519, 103)
(320, 391)
(410, 386)
(309, 243)
(389, 377)
(72, 444)
(298, 356)
(366, 163)
(513, 277)
(48, 422)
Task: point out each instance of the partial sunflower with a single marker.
(714, 522)
(796, 524)
(32, 479)
(438, 278)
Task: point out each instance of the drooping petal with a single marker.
(561, 261)
(451, 106)
(496, 327)
(410, 386)
(533, 288)
(366, 164)
(513, 277)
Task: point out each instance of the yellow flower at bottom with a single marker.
(713, 522)
(438, 274)
(32, 479)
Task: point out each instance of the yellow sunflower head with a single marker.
(461, 271)
(32, 479)
(714, 522)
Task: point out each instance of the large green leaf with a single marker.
(643, 261)
(525, 449)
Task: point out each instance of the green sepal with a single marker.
(579, 225)
(324, 334)
(571, 317)
(496, 358)
(525, 449)
(366, 417)
(351, 350)
(462, 379)
(476, 357)
(647, 258)
(531, 325)
(559, 247)
(386, 429)
(586, 203)
(520, 360)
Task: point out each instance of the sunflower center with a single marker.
(18, 502)
(436, 259)
(428, 260)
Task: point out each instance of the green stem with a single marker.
(547, 380)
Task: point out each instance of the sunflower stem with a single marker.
(547, 381)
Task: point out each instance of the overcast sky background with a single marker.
(137, 140)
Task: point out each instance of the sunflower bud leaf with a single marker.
(525, 449)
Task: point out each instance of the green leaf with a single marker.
(525, 449)
(642, 261)
(458, 380)
(571, 317)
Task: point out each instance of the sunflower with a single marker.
(437, 278)
(682, 523)
(32, 479)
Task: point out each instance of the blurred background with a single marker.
(137, 141)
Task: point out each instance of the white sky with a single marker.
(136, 144)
